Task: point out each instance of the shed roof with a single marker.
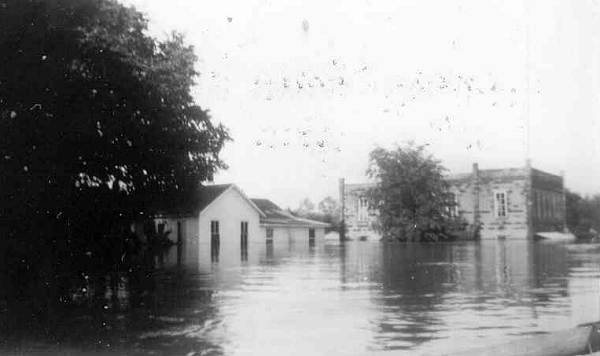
(266, 205)
(275, 216)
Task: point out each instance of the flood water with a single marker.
(342, 299)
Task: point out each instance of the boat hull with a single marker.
(581, 340)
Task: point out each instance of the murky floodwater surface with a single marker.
(346, 299)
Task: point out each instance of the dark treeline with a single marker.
(583, 215)
(98, 125)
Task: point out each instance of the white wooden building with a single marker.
(280, 225)
(222, 217)
(219, 217)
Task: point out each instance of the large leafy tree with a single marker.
(411, 195)
(583, 214)
(97, 123)
(89, 100)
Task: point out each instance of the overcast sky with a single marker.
(309, 87)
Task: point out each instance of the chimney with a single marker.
(528, 163)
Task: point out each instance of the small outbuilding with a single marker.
(281, 225)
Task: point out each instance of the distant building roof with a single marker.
(275, 216)
(539, 177)
(489, 174)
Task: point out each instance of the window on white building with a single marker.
(269, 234)
(244, 232)
(500, 204)
(214, 230)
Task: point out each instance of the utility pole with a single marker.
(527, 82)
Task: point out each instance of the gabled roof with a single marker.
(271, 210)
(205, 196)
(208, 194)
(240, 192)
(275, 216)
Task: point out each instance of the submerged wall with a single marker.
(287, 234)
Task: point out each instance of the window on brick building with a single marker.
(453, 209)
(500, 204)
(363, 209)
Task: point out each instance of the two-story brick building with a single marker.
(512, 203)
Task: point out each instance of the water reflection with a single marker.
(329, 298)
(244, 252)
(215, 246)
(269, 249)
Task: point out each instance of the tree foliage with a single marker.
(583, 214)
(328, 212)
(411, 195)
(88, 101)
(329, 206)
(305, 206)
(97, 123)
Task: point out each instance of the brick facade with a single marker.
(359, 224)
(511, 203)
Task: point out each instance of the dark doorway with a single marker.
(244, 240)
